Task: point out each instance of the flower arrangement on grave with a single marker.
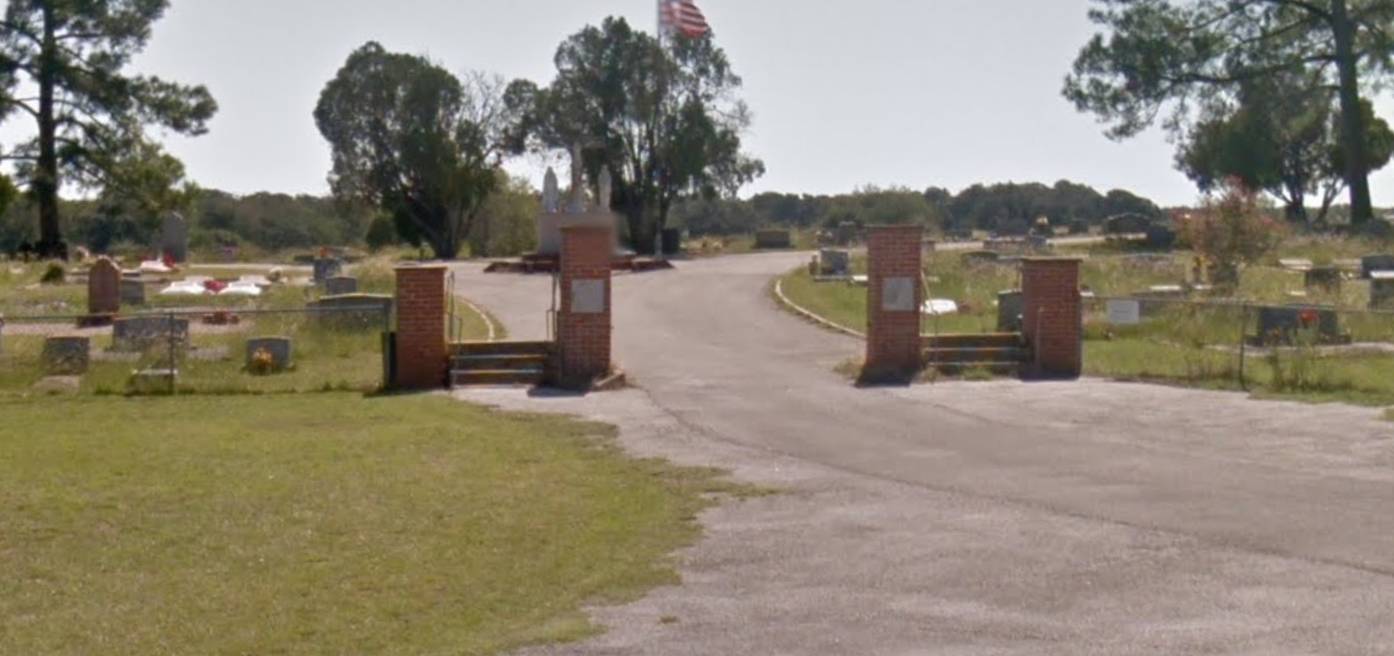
(221, 318)
(263, 363)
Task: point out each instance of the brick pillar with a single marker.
(894, 297)
(1052, 316)
(423, 360)
(583, 323)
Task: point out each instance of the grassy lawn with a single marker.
(1193, 346)
(323, 523)
(325, 357)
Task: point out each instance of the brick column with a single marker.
(583, 323)
(894, 297)
(423, 360)
(1052, 316)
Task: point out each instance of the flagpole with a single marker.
(659, 24)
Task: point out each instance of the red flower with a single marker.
(1309, 317)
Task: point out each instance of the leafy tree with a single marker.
(70, 55)
(146, 184)
(1185, 55)
(1283, 138)
(664, 120)
(507, 223)
(410, 138)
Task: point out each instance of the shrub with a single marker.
(1232, 230)
(54, 274)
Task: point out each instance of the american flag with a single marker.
(683, 17)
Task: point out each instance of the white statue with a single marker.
(606, 184)
(551, 195)
(578, 182)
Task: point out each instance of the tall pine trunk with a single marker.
(45, 184)
(1352, 115)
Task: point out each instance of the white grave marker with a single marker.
(1124, 312)
(587, 296)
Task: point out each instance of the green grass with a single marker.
(1185, 345)
(325, 358)
(325, 523)
(841, 303)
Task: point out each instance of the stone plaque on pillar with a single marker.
(899, 295)
(588, 296)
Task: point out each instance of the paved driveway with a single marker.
(987, 518)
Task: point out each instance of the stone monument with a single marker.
(174, 238)
(577, 211)
(551, 194)
(104, 288)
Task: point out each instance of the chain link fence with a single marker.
(1290, 348)
(210, 351)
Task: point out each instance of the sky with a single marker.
(887, 92)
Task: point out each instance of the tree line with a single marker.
(1006, 208)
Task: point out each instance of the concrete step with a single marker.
(478, 377)
(996, 368)
(501, 362)
(500, 348)
(1013, 354)
(980, 340)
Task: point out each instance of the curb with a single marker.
(488, 321)
(808, 314)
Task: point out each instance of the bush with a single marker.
(1232, 230)
(54, 274)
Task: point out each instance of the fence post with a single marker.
(1243, 344)
(169, 325)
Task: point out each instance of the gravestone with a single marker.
(1372, 263)
(1124, 312)
(66, 356)
(1382, 290)
(139, 334)
(1296, 264)
(278, 348)
(833, 262)
(773, 239)
(1010, 305)
(1160, 237)
(104, 288)
(340, 285)
(132, 291)
(174, 238)
(1326, 278)
(1288, 325)
(326, 268)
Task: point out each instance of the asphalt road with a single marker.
(993, 518)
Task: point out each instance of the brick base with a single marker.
(583, 323)
(895, 295)
(1053, 317)
(423, 360)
